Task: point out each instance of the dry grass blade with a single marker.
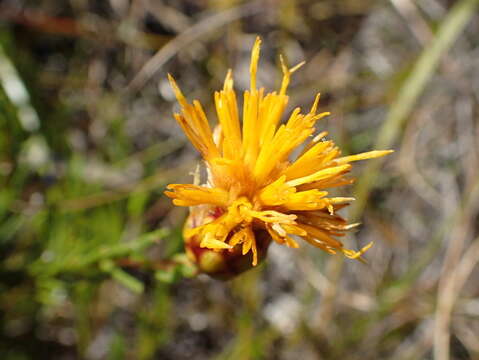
(410, 92)
(191, 34)
(455, 270)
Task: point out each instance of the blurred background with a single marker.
(90, 246)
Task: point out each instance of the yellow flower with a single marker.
(255, 192)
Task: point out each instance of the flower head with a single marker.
(255, 192)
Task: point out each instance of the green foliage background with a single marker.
(91, 262)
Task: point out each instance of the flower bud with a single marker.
(222, 264)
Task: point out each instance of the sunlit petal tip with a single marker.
(284, 67)
(320, 136)
(297, 67)
(254, 61)
(351, 226)
(367, 247)
(322, 115)
(176, 89)
(351, 254)
(314, 107)
(172, 81)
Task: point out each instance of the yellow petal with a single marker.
(212, 243)
(363, 156)
(320, 175)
